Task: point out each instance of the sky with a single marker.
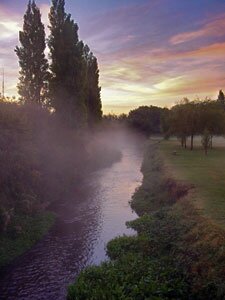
(150, 52)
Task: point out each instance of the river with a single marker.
(85, 223)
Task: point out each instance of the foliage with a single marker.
(68, 80)
(71, 88)
(212, 119)
(153, 193)
(120, 246)
(22, 233)
(146, 119)
(141, 267)
(221, 97)
(132, 276)
(188, 119)
(34, 66)
(165, 125)
(111, 119)
(206, 141)
(94, 105)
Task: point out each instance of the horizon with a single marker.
(144, 57)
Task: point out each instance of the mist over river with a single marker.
(85, 223)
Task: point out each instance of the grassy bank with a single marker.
(23, 233)
(206, 173)
(177, 253)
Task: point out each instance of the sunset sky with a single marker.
(151, 52)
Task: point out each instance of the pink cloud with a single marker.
(214, 51)
(214, 28)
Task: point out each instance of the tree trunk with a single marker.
(185, 143)
(211, 142)
(182, 142)
(192, 142)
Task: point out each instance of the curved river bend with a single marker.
(84, 225)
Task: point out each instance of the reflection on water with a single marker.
(85, 223)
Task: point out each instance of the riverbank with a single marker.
(23, 234)
(178, 253)
(206, 173)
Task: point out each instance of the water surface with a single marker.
(85, 223)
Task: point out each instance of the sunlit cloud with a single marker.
(215, 51)
(169, 83)
(8, 29)
(9, 24)
(214, 28)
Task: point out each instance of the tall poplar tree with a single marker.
(94, 104)
(68, 81)
(32, 61)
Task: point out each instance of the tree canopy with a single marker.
(69, 85)
(68, 80)
(146, 119)
(32, 61)
(191, 118)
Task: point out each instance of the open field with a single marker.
(206, 173)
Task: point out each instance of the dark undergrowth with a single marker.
(177, 254)
(22, 234)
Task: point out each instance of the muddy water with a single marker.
(84, 225)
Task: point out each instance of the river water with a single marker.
(85, 223)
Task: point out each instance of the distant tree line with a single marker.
(112, 118)
(147, 119)
(190, 118)
(185, 120)
(69, 83)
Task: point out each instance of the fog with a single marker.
(87, 181)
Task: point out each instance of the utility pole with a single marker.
(3, 84)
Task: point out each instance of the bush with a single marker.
(130, 277)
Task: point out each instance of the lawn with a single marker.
(206, 173)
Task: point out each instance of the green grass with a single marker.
(13, 244)
(206, 173)
(140, 267)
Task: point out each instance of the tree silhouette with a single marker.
(68, 81)
(94, 104)
(32, 61)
